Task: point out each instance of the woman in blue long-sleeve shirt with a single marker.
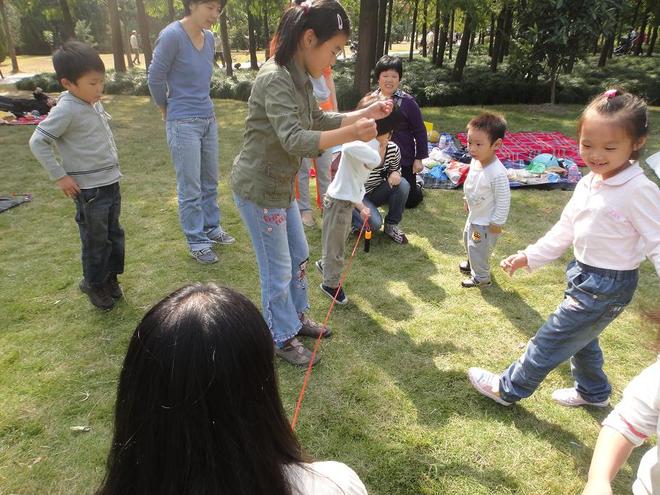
(180, 84)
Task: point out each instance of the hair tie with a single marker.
(611, 93)
(340, 23)
(306, 5)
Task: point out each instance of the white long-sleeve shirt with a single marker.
(612, 223)
(357, 161)
(637, 417)
(324, 478)
(487, 193)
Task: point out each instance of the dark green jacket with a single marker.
(284, 123)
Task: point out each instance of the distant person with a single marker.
(135, 47)
(219, 55)
(87, 169)
(198, 409)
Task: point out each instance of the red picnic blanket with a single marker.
(526, 145)
(27, 120)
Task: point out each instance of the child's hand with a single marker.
(466, 208)
(365, 213)
(597, 487)
(163, 113)
(417, 166)
(495, 229)
(379, 109)
(365, 129)
(394, 179)
(68, 186)
(513, 263)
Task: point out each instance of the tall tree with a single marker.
(143, 28)
(424, 26)
(380, 31)
(266, 30)
(436, 33)
(117, 44)
(252, 39)
(442, 42)
(451, 31)
(224, 36)
(10, 38)
(366, 50)
(642, 30)
(170, 10)
(388, 34)
(68, 30)
(413, 34)
(462, 54)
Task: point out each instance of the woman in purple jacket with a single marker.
(411, 134)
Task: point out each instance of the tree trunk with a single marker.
(266, 31)
(413, 36)
(224, 37)
(9, 36)
(388, 35)
(117, 43)
(380, 31)
(436, 32)
(252, 40)
(170, 10)
(451, 32)
(424, 28)
(462, 54)
(499, 39)
(472, 36)
(492, 34)
(553, 86)
(68, 28)
(442, 42)
(636, 13)
(508, 28)
(652, 41)
(366, 48)
(143, 27)
(642, 31)
(573, 43)
(609, 41)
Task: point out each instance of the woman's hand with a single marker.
(394, 179)
(364, 129)
(513, 263)
(417, 166)
(379, 109)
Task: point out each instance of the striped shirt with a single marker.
(391, 163)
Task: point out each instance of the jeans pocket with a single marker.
(88, 196)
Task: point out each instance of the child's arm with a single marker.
(365, 211)
(165, 52)
(42, 146)
(611, 452)
(502, 195)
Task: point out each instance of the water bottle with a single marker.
(574, 174)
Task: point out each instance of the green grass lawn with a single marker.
(390, 396)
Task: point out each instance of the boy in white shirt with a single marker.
(345, 192)
(487, 196)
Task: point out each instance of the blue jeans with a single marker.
(593, 299)
(194, 148)
(282, 253)
(395, 198)
(101, 236)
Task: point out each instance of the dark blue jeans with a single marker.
(101, 236)
(593, 299)
(395, 198)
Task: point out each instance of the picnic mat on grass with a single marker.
(526, 145)
(7, 202)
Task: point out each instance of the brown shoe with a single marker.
(310, 328)
(295, 353)
(98, 296)
(113, 287)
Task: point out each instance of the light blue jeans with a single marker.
(282, 253)
(593, 299)
(194, 148)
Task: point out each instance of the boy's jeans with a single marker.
(194, 148)
(101, 236)
(336, 229)
(479, 243)
(282, 253)
(593, 299)
(395, 197)
(322, 179)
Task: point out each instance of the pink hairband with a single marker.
(611, 93)
(306, 5)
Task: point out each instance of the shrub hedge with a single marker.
(432, 86)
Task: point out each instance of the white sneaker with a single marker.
(570, 397)
(487, 384)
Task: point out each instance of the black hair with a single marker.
(493, 124)
(325, 17)
(631, 112)
(390, 123)
(188, 3)
(74, 59)
(198, 409)
(388, 62)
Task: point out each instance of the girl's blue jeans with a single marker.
(593, 299)
(282, 253)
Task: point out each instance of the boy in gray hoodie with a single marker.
(88, 171)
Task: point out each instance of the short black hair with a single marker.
(188, 3)
(388, 62)
(491, 123)
(74, 59)
(390, 123)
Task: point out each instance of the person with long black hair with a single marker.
(198, 409)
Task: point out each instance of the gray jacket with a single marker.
(82, 135)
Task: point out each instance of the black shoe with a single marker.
(332, 293)
(469, 283)
(113, 287)
(98, 296)
(464, 266)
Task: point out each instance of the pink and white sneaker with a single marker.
(570, 397)
(487, 384)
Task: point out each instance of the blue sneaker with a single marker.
(204, 256)
(332, 293)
